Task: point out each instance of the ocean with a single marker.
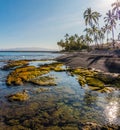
(27, 55)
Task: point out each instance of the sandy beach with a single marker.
(106, 61)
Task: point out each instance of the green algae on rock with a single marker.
(17, 63)
(20, 96)
(81, 80)
(25, 74)
(56, 66)
(44, 81)
(84, 72)
(30, 73)
(94, 82)
(97, 81)
(102, 90)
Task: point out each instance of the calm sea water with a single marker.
(66, 104)
(27, 55)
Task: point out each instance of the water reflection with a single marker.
(112, 109)
(111, 112)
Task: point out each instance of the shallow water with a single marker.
(66, 104)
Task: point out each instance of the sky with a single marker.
(42, 23)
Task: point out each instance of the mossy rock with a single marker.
(81, 80)
(102, 90)
(18, 63)
(30, 73)
(97, 80)
(84, 72)
(116, 82)
(94, 82)
(53, 66)
(24, 74)
(106, 78)
(109, 80)
(44, 81)
(20, 96)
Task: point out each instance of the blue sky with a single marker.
(41, 23)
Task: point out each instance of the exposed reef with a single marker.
(21, 75)
(97, 81)
(31, 74)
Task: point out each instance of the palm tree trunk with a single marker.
(107, 37)
(113, 37)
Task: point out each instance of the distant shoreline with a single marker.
(33, 51)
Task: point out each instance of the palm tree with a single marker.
(101, 35)
(61, 44)
(91, 17)
(76, 37)
(107, 29)
(111, 20)
(71, 43)
(66, 37)
(88, 40)
(79, 42)
(116, 8)
(95, 34)
(89, 32)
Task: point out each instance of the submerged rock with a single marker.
(44, 81)
(20, 96)
(90, 126)
(39, 90)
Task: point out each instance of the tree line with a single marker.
(94, 34)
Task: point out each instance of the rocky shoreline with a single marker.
(107, 62)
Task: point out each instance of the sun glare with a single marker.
(111, 112)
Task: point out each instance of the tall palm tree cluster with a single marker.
(94, 34)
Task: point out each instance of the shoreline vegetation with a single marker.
(95, 36)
